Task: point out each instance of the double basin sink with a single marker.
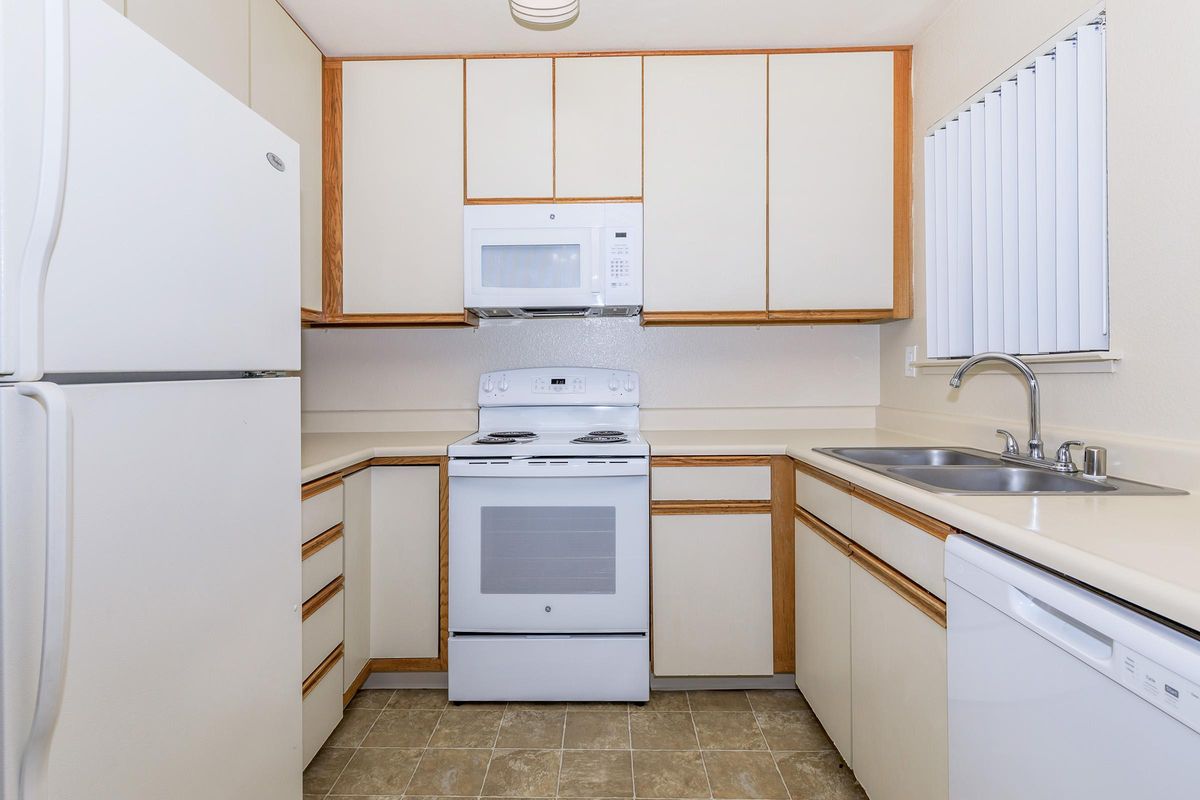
(964, 470)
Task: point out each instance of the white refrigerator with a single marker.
(149, 440)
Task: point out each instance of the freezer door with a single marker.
(170, 216)
(183, 665)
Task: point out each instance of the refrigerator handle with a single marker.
(52, 180)
(56, 609)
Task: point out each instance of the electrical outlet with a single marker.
(910, 359)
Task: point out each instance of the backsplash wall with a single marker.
(740, 377)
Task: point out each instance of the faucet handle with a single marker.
(1063, 459)
(1011, 448)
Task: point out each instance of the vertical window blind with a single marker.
(1016, 252)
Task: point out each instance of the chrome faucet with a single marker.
(1036, 456)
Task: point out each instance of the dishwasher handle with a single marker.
(1060, 628)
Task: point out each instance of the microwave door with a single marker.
(533, 268)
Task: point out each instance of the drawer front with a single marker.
(828, 503)
(710, 483)
(322, 632)
(320, 512)
(916, 553)
(322, 711)
(320, 568)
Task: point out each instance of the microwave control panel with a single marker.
(622, 237)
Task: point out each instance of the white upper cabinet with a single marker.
(510, 127)
(831, 175)
(211, 35)
(705, 183)
(285, 88)
(402, 179)
(598, 127)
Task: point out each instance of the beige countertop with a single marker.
(1145, 550)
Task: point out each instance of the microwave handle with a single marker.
(600, 267)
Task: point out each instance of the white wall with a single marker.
(1154, 205)
(691, 377)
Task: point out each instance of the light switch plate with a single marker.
(910, 358)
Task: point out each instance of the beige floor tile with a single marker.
(402, 729)
(378, 771)
(665, 773)
(596, 773)
(601, 705)
(538, 728)
(597, 730)
(371, 698)
(728, 730)
(734, 700)
(663, 701)
(467, 726)
(537, 706)
(818, 776)
(325, 767)
(777, 700)
(793, 730)
(522, 773)
(353, 728)
(662, 730)
(450, 772)
(418, 698)
(744, 775)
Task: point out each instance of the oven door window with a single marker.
(530, 266)
(559, 550)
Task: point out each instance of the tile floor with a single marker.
(726, 745)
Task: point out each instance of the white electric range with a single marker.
(549, 540)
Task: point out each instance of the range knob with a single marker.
(613, 385)
(487, 384)
(503, 384)
(629, 384)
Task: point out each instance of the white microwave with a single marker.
(553, 260)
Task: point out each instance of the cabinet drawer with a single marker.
(915, 552)
(322, 707)
(320, 512)
(826, 502)
(321, 631)
(710, 483)
(321, 565)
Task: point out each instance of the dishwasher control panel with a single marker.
(1158, 685)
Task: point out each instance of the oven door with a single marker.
(533, 267)
(549, 554)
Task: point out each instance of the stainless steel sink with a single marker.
(964, 470)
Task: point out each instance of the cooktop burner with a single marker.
(606, 433)
(495, 440)
(592, 438)
(512, 435)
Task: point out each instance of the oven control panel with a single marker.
(554, 386)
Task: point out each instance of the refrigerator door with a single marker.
(151, 220)
(183, 658)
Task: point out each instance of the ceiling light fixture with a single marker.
(544, 14)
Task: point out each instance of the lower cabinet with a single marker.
(711, 579)
(405, 562)
(357, 549)
(322, 709)
(823, 632)
(899, 691)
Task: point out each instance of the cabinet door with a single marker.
(831, 181)
(711, 583)
(510, 127)
(706, 183)
(823, 634)
(402, 186)
(211, 35)
(598, 127)
(404, 562)
(356, 535)
(285, 88)
(898, 677)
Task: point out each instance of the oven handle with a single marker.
(548, 468)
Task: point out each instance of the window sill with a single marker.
(1041, 364)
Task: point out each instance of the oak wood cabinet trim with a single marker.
(902, 188)
(668, 507)
(408, 665)
(618, 53)
(808, 469)
(331, 189)
(463, 320)
(356, 684)
(710, 461)
(321, 541)
(783, 564)
(313, 604)
(500, 201)
(902, 512)
(321, 671)
(319, 485)
(831, 535)
(309, 315)
(836, 316)
(929, 605)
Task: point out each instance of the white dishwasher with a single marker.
(1057, 692)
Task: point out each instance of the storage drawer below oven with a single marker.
(549, 668)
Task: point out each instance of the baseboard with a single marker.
(406, 680)
(782, 680)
